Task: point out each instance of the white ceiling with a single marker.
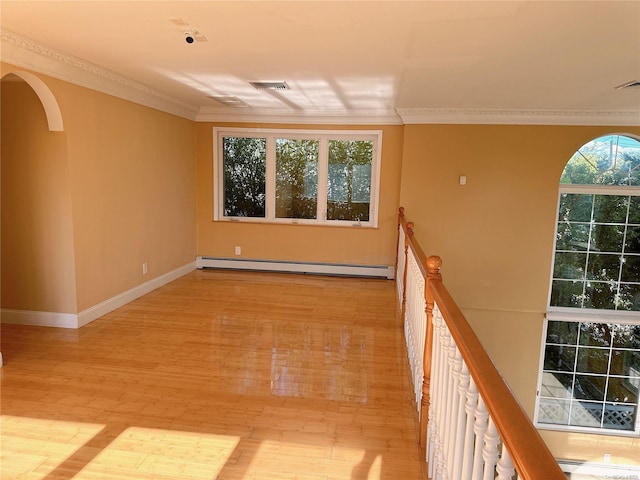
(413, 61)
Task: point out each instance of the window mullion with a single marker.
(270, 179)
(323, 173)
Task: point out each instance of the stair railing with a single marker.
(471, 425)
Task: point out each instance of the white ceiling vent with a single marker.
(229, 101)
(178, 22)
(631, 84)
(270, 85)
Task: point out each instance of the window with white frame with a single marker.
(297, 176)
(590, 362)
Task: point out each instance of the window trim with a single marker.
(572, 312)
(323, 136)
(592, 317)
(584, 315)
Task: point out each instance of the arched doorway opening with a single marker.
(37, 246)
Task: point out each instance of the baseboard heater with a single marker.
(373, 271)
(599, 470)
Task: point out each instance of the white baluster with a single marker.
(415, 315)
(461, 419)
(479, 428)
(445, 380)
(422, 331)
(440, 411)
(450, 393)
(409, 313)
(469, 408)
(490, 451)
(505, 468)
(432, 427)
(455, 407)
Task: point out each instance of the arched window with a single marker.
(597, 251)
(590, 365)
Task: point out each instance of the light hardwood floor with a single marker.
(218, 375)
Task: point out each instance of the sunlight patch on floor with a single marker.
(35, 449)
(157, 453)
(32, 448)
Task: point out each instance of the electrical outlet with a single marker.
(607, 458)
(145, 269)
(238, 250)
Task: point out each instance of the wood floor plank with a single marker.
(217, 375)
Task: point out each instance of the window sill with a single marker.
(586, 430)
(298, 222)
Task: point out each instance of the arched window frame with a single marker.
(590, 355)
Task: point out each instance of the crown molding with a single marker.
(519, 117)
(306, 117)
(26, 53)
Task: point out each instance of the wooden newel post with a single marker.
(400, 217)
(410, 229)
(433, 265)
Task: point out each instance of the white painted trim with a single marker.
(72, 320)
(27, 53)
(49, 102)
(380, 271)
(111, 304)
(39, 319)
(323, 137)
(604, 470)
(317, 117)
(519, 117)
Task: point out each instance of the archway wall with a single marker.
(132, 190)
(38, 269)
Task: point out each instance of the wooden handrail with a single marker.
(412, 243)
(530, 455)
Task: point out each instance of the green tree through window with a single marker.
(296, 178)
(280, 176)
(590, 378)
(244, 166)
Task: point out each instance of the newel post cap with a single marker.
(434, 263)
(410, 227)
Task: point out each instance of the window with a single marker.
(289, 176)
(590, 365)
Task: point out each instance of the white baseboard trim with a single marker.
(92, 313)
(39, 319)
(380, 271)
(600, 470)
(73, 320)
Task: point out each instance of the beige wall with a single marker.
(495, 237)
(38, 271)
(125, 184)
(131, 184)
(133, 191)
(366, 246)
